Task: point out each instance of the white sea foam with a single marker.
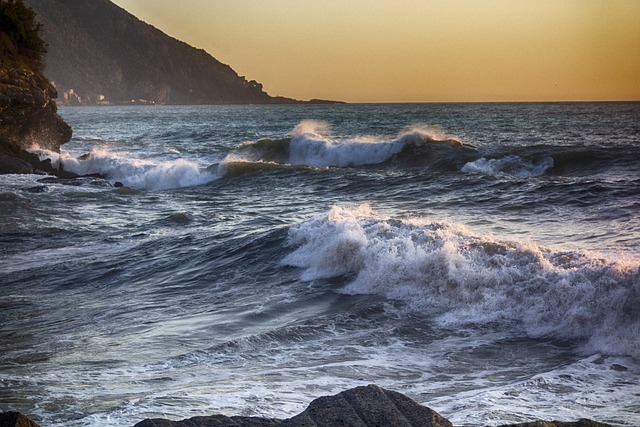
(131, 171)
(510, 165)
(318, 151)
(312, 143)
(461, 278)
(590, 388)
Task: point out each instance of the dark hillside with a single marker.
(96, 48)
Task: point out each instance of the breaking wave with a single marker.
(311, 144)
(511, 166)
(444, 270)
(570, 160)
(133, 172)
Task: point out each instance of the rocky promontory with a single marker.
(28, 113)
(365, 406)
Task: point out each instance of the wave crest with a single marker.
(461, 278)
(133, 172)
(510, 165)
(311, 144)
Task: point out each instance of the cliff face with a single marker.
(98, 49)
(27, 109)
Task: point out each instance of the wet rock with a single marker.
(358, 407)
(28, 113)
(16, 419)
(46, 166)
(179, 218)
(37, 189)
(13, 165)
(127, 191)
(93, 180)
(366, 407)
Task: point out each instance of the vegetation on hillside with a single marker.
(20, 40)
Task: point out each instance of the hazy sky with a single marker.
(416, 50)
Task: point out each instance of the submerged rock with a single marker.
(37, 189)
(179, 218)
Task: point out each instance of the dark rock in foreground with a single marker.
(369, 406)
(15, 419)
(357, 407)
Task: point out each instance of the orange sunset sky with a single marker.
(416, 50)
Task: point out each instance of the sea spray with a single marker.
(133, 172)
(461, 278)
(311, 143)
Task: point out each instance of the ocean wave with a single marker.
(311, 144)
(133, 172)
(556, 160)
(511, 166)
(461, 278)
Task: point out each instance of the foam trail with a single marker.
(136, 173)
(462, 278)
(510, 165)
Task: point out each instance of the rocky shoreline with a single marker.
(365, 406)
(28, 117)
(28, 112)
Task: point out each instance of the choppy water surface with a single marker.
(480, 258)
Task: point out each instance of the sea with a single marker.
(480, 258)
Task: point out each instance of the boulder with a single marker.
(357, 407)
(14, 165)
(367, 407)
(15, 419)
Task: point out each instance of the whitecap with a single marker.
(510, 165)
(461, 278)
(133, 172)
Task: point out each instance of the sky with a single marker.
(416, 50)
